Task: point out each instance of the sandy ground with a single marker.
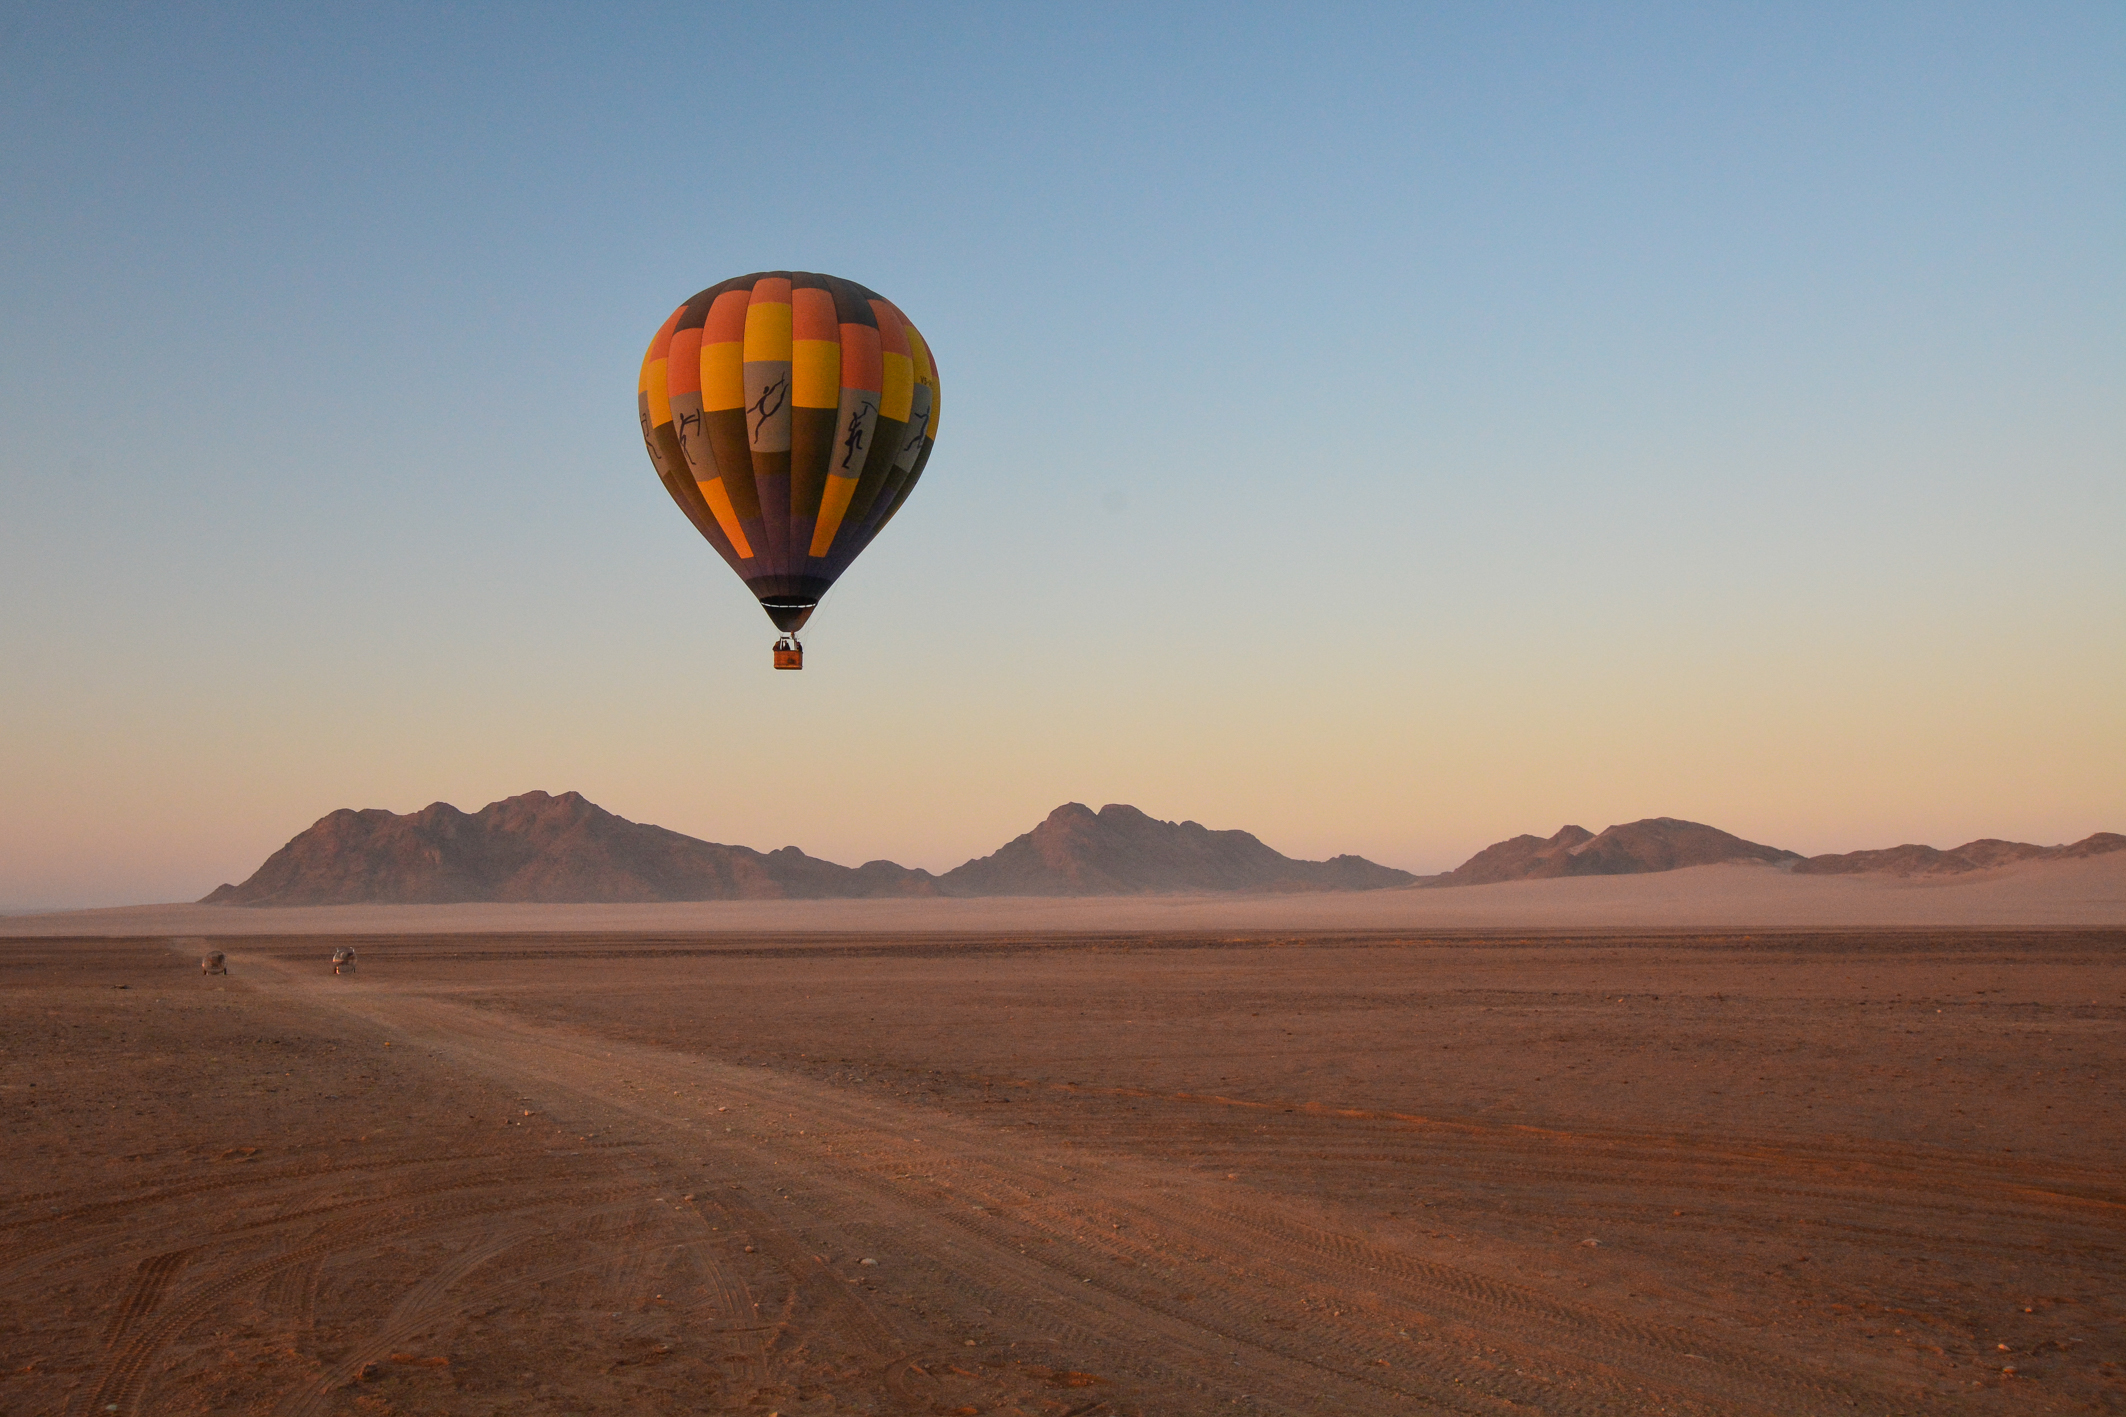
(1729, 1173)
(2058, 893)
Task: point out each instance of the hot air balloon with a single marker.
(789, 415)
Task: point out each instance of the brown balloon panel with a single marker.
(789, 415)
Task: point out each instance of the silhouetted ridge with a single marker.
(1634, 848)
(1980, 855)
(1667, 843)
(1119, 850)
(539, 848)
(1516, 858)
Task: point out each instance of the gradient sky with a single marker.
(1386, 429)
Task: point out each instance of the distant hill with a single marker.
(1517, 859)
(1119, 850)
(1634, 848)
(1914, 860)
(1666, 843)
(541, 848)
(538, 848)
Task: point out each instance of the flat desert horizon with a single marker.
(1566, 1146)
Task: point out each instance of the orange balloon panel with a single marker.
(789, 415)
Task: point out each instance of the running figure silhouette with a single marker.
(767, 409)
(854, 443)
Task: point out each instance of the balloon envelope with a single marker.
(789, 415)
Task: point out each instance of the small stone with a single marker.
(969, 1342)
(867, 1260)
(749, 1249)
(1591, 1244)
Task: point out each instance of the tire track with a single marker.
(1081, 1318)
(155, 1274)
(125, 1375)
(521, 1172)
(1604, 1360)
(833, 1146)
(416, 1311)
(1611, 1353)
(109, 1209)
(101, 1245)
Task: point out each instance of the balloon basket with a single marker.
(789, 654)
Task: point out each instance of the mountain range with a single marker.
(1119, 850)
(1980, 855)
(538, 847)
(542, 848)
(1654, 844)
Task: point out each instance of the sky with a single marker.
(1386, 429)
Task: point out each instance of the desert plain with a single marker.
(1135, 1168)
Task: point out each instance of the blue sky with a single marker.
(1382, 428)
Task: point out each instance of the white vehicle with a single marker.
(343, 960)
(213, 962)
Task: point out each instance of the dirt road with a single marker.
(627, 1176)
